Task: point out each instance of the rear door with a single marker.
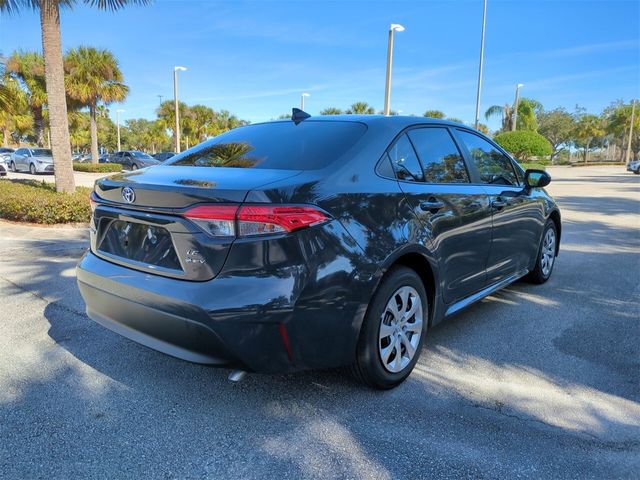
(455, 214)
(518, 216)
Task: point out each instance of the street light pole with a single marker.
(394, 27)
(484, 23)
(118, 126)
(304, 94)
(175, 100)
(515, 106)
(633, 112)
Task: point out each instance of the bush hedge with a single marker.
(524, 144)
(38, 202)
(96, 167)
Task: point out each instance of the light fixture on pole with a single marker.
(479, 91)
(515, 106)
(118, 126)
(304, 94)
(633, 114)
(394, 27)
(175, 100)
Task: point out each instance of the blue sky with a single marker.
(255, 58)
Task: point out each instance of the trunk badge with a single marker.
(128, 195)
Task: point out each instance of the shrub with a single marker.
(533, 166)
(524, 144)
(96, 167)
(38, 202)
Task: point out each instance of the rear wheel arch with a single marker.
(420, 264)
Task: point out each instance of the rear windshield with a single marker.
(280, 145)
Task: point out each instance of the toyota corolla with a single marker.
(314, 243)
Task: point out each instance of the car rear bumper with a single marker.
(298, 318)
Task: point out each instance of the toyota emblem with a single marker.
(128, 195)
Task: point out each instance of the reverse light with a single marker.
(250, 220)
(216, 220)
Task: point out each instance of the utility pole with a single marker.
(160, 97)
(515, 107)
(394, 27)
(484, 22)
(633, 111)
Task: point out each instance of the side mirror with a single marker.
(536, 178)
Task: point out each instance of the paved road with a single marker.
(534, 382)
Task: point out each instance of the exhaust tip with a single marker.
(237, 376)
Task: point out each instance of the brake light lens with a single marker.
(265, 219)
(250, 220)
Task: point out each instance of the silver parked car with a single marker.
(32, 160)
(634, 167)
(5, 155)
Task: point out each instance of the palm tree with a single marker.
(28, 69)
(14, 109)
(94, 78)
(361, 108)
(527, 110)
(167, 115)
(331, 111)
(434, 114)
(54, 75)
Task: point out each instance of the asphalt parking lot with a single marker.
(534, 382)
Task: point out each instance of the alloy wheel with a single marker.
(548, 253)
(400, 329)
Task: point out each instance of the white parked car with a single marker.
(32, 160)
(634, 167)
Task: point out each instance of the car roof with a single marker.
(394, 121)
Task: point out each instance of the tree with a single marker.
(15, 116)
(588, 130)
(434, 114)
(54, 75)
(167, 115)
(331, 111)
(28, 69)
(527, 109)
(483, 128)
(524, 144)
(93, 78)
(454, 119)
(360, 108)
(558, 127)
(617, 121)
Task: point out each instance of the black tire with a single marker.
(368, 367)
(637, 172)
(12, 167)
(134, 167)
(540, 274)
(32, 169)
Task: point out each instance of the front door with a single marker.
(455, 214)
(518, 214)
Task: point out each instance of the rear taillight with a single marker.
(249, 220)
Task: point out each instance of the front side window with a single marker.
(441, 160)
(404, 161)
(493, 166)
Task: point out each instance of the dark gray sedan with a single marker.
(315, 242)
(133, 159)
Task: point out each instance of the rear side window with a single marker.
(441, 160)
(404, 160)
(310, 145)
(493, 166)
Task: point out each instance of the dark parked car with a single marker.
(317, 243)
(162, 156)
(133, 159)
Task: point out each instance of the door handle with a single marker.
(432, 205)
(498, 203)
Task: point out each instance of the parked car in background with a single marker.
(634, 167)
(133, 159)
(315, 243)
(32, 160)
(5, 154)
(162, 156)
